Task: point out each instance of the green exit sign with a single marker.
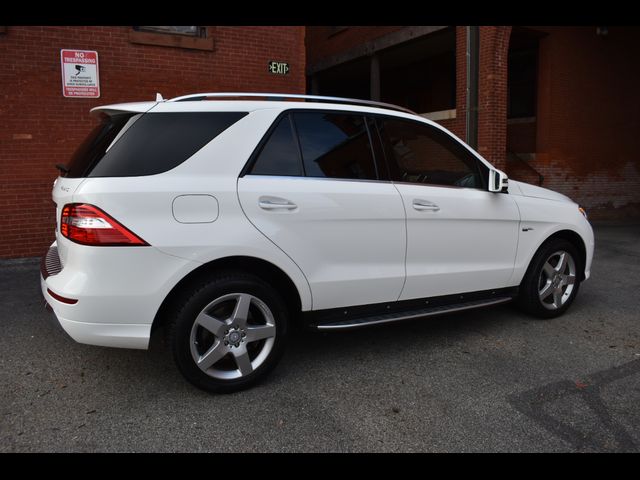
(278, 68)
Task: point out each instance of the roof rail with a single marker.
(282, 96)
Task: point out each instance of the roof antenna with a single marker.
(159, 97)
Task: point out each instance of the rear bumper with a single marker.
(102, 334)
(117, 292)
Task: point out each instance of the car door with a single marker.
(460, 237)
(313, 189)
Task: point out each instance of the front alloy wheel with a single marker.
(552, 279)
(557, 279)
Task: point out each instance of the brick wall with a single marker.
(458, 125)
(521, 135)
(39, 127)
(492, 94)
(588, 119)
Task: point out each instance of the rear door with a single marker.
(461, 237)
(314, 190)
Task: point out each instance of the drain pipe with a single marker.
(473, 54)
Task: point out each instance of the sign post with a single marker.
(80, 74)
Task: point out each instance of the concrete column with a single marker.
(315, 84)
(374, 90)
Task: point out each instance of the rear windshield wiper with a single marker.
(63, 168)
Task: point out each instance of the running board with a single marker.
(410, 314)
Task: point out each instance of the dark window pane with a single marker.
(423, 154)
(157, 142)
(193, 31)
(335, 145)
(279, 155)
(93, 148)
(522, 83)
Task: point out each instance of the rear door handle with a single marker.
(276, 203)
(423, 205)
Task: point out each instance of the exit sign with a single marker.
(278, 68)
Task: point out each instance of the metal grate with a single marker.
(51, 263)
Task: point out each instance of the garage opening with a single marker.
(419, 74)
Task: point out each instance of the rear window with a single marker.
(134, 144)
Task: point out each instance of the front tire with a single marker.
(229, 333)
(552, 280)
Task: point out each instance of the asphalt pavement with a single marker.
(486, 380)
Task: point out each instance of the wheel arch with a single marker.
(262, 268)
(572, 237)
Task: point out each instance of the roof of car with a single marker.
(233, 101)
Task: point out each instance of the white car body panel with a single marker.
(468, 244)
(546, 213)
(348, 237)
(347, 243)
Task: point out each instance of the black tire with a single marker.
(192, 303)
(529, 299)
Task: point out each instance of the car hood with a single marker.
(528, 190)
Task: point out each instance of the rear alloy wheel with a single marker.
(552, 280)
(229, 341)
(229, 333)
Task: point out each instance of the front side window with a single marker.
(335, 145)
(423, 154)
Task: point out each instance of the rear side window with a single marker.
(279, 155)
(335, 145)
(147, 144)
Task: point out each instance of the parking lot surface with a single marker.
(486, 380)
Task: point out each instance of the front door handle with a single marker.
(423, 205)
(276, 203)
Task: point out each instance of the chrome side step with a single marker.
(408, 315)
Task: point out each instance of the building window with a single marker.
(190, 37)
(175, 30)
(522, 84)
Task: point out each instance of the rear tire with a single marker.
(552, 280)
(227, 334)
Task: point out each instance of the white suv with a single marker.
(226, 218)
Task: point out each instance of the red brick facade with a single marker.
(588, 122)
(39, 127)
(584, 138)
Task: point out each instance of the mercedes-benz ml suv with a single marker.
(227, 218)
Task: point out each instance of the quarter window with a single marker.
(130, 145)
(279, 155)
(423, 154)
(335, 145)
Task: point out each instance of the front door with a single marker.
(460, 237)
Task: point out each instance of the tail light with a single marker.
(88, 225)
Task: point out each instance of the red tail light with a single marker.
(88, 225)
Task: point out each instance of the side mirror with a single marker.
(498, 181)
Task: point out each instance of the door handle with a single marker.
(276, 203)
(423, 205)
